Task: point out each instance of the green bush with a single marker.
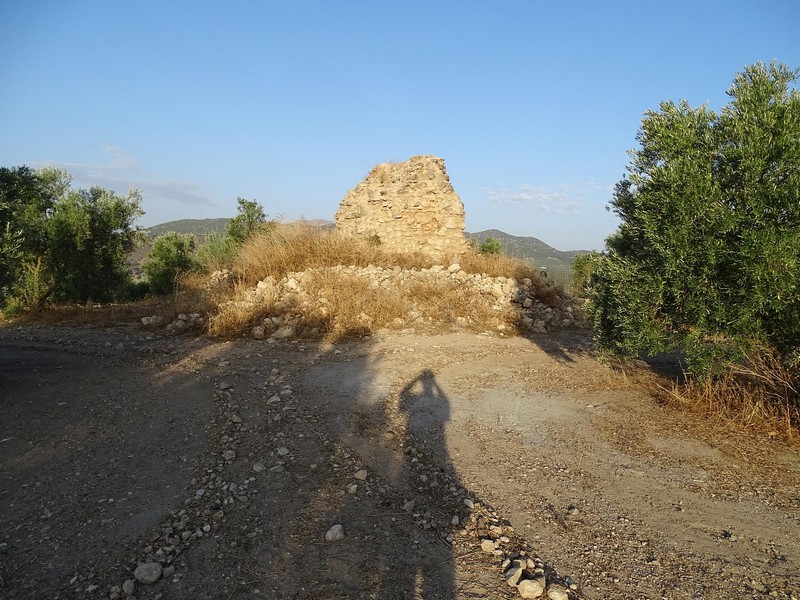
(490, 246)
(138, 290)
(584, 266)
(169, 258)
(707, 258)
(216, 253)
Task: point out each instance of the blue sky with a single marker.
(533, 105)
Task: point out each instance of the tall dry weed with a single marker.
(291, 248)
(498, 265)
(762, 393)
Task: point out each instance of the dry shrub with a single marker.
(347, 305)
(447, 302)
(298, 247)
(292, 248)
(761, 394)
(336, 305)
(381, 172)
(89, 314)
(350, 303)
(236, 316)
(498, 265)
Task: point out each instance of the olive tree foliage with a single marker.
(62, 243)
(583, 268)
(249, 218)
(707, 257)
(92, 232)
(169, 258)
(27, 198)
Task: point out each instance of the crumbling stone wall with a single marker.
(409, 206)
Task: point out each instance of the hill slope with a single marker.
(198, 227)
(527, 247)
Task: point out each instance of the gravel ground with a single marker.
(399, 466)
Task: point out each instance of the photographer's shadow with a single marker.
(428, 477)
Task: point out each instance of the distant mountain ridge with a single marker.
(524, 247)
(527, 247)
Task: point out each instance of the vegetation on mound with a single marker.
(349, 303)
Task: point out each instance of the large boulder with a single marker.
(409, 206)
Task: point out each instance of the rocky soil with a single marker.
(143, 463)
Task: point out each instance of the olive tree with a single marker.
(249, 218)
(707, 257)
(91, 234)
(27, 197)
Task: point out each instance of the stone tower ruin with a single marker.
(409, 206)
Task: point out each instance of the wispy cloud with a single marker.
(557, 199)
(123, 172)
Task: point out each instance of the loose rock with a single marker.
(531, 588)
(129, 587)
(335, 533)
(147, 573)
(557, 592)
(513, 575)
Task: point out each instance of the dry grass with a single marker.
(446, 303)
(498, 265)
(360, 310)
(190, 298)
(762, 395)
(88, 314)
(381, 172)
(338, 304)
(292, 248)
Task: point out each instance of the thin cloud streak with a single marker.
(556, 199)
(123, 172)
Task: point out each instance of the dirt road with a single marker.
(224, 463)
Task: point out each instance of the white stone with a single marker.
(531, 588)
(335, 533)
(283, 333)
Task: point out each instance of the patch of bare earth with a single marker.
(442, 456)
